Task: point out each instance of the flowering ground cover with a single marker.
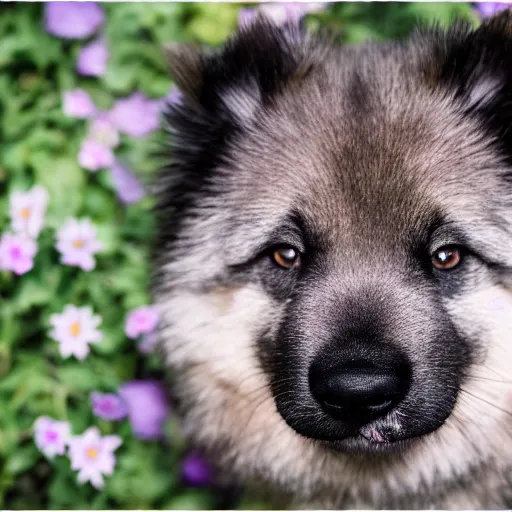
(86, 419)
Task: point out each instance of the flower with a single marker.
(108, 406)
(77, 103)
(73, 20)
(128, 188)
(17, 253)
(77, 244)
(196, 471)
(27, 210)
(93, 155)
(148, 343)
(147, 407)
(102, 130)
(92, 59)
(141, 320)
(93, 456)
(175, 96)
(280, 12)
(136, 115)
(75, 328)
(51, 436)
(246, 16)
(488, 9)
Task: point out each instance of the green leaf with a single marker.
(190, 500)
(36, 289)
(141, 475)
(64, 180)
(22, 459)
(120, 79)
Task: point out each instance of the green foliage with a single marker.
(39, 144)
(358, 22)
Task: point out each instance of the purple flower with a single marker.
(50, 436)
(93, 456)
(147, 407)
(73, 20)
(196, 471)
(108, 406)
(77, 103)
(92, 59)
(488, 9)
(17, 253)
(246, 16)
(148, 343)
(94, 155)
(128, 188)
(175, 96)
(136, 115)
(280, 12)
(141, 320)
(77, 244)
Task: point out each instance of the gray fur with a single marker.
(369, 144)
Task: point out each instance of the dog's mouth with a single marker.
(384, 435)
(361, 444)
(370, 439)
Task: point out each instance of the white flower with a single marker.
(93, 456)
(27, 210)
(75, 328)
(103, 131)
(77, 244)
(51, 437)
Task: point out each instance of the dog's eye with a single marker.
(447, 258)
(286, 257)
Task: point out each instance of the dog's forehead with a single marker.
(352, 158)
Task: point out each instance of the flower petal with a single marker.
(73, 20)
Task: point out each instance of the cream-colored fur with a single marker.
(211, 343)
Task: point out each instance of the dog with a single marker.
(333, 263)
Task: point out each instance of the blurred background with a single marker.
(82, 86)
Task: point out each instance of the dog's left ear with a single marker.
(476, 65)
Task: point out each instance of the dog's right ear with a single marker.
(254, 65)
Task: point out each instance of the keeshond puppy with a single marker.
(334, 264)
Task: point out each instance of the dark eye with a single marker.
(286, 257)
(447, 258)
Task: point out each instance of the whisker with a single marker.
(487, 379)
(509, 413)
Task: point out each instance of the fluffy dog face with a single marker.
(334, 260)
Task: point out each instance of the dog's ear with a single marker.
(475, 66)
(185, 66)
(249, 69)
(478, 63)
(221, 92)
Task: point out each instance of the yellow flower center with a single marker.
(25, 213)
(78, 243)
(75, 329)
(92, 452)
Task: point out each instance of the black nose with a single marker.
(359, 391)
